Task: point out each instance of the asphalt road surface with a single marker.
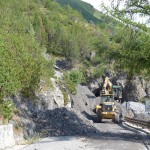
(113, 137)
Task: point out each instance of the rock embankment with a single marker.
(77, 120)
(39, 118)
(138, 110)
(63, 122)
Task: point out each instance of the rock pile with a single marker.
(83, 99)
(62, 122)
(143, 116)
(138, 110)
(84, 102)
(136, 107)
(68, 122)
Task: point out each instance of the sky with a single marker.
(96, 4)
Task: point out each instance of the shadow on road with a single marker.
(62, 122)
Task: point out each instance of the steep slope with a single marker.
(88, 11)
(29, 29)
(84, 8)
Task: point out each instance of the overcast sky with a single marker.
(97, 3)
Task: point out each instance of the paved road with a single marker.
(113, 137)
(120, 137)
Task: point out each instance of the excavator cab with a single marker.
(107, 98)
(117, 92)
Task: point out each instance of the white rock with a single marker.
(137, 107)
(57, 94)
(58, 74)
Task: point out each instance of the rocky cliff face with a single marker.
(27, 109)
(135, 90)
(49, 99)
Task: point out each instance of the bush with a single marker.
(76, 77)
(71, 86)
(66, 99)
(98, 71)
(72, 79)
(6, 109)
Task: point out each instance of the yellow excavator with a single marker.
(107, 109)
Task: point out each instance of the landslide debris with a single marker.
(84, 101)
(137, 110)
(63, 122)
(68, 122)
(77, 120)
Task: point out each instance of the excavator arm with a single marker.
(107, 87)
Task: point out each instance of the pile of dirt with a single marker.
(137, 107)
(84, 103)
(63, 122)
(60, 121)
(69, 122)
(143, 116)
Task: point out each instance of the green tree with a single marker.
(132, 53)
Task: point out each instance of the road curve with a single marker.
(112, 137)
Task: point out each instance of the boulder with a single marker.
(51, 97)
(135, 90)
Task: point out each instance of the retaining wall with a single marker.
(6, 136)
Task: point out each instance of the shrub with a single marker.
(72, 79)
(71, 86)
(6, 109)
(66, 99)
(98, 71)
(76, 77)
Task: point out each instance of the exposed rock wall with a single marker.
(28, 109)
(135, 90)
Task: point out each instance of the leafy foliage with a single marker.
(72, 79)
(31, 28)
(66, 99)
(131, 53)
(6, 109)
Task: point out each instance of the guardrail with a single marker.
(141, 123)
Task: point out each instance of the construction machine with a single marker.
(110, 95)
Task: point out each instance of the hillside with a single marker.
(30, 30)
(51, 51)
(84, 8)
(88, 11)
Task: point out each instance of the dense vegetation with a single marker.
(31, 28)
(132, 54)
(92, 15)
(84, 8)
